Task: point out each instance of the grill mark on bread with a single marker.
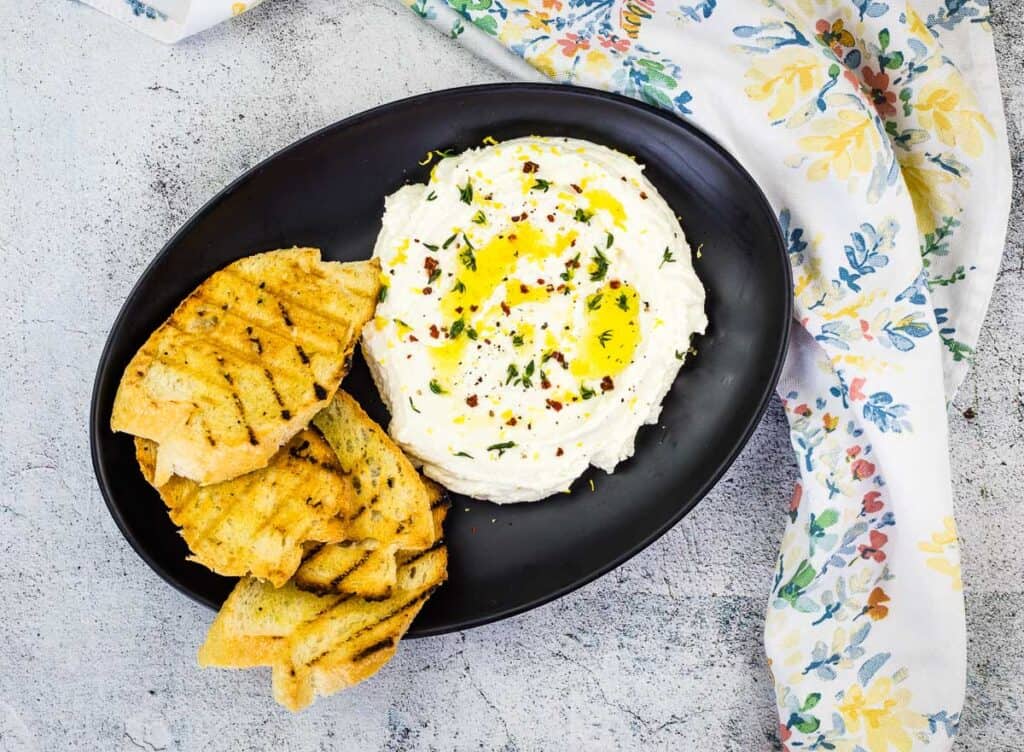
(332, 586)
(302, 354)
(241, 414)
(420, 554)
(362, 655)
(273, 388)
(319, 391)
(411, 603)
(284, 314)
(293, 302)
(303, 333)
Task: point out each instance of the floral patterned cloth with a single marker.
(172, 20)
(875, 127)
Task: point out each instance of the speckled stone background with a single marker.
(108, 142)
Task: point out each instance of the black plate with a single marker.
(328, 191)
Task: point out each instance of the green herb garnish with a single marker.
(463, 454)
(435, 387)
(480, 218)
(501, 447)
(383, 294)
(605, 337)
(600, 262)
(583, 216)
(517, 340)
(623, 302)
(468, 259)
(431, 247)
(466, 192)
(458, 286)
(450, 240)
(413, 406)
(511, 373)
(609, 241)
(586, 392)
(541, 185)
(471, 333)
(528, 375)
(432, 195)
(456, 328)
(434, 275)
(595, 302)
(667, 257)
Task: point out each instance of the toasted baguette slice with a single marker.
(351, 640)
(244, 362)
(392, 503)
(364, 569)
(258, 523)
(318, 644)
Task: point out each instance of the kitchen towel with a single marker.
(875, 128)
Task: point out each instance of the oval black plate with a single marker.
(328, 191)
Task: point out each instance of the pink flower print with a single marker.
(573, 43)
(862, 469)
(871, 502)
(874, 548)
(613, 42)
(853, 451)
(855, 393)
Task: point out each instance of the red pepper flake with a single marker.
(511, 421)
(545, 384)
(427, 290)
(540, 281)
(615, 284)
(505, 309)
(572, 263)
(558, 358)
(575, 187)
(560, 452)
(529, 167)
(643, 195)
(517, 218)
(434, 331)
(562, 288)
(412, 338)
(550, 288)
(429, 263)
(607, 384)
(474, 308)
(459, 309)
(512, 235)
(554, 404)
(523, 289)
(487, 341)
(472, 401)
(551, 218)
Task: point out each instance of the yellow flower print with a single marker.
(596, 62)
(929, 187)
(544, 61)
(881, 716)
(784, 78)
(847, 142)
(947, 559)
(916, 27)
(238, 8)
(944, 108)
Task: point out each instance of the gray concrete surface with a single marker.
(108, 142)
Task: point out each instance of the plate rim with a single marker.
(103, 367)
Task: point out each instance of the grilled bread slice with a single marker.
(392, 503)
(244, 362)
(257, 523)
(350, 641)
(364, 569)
(319, 644)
